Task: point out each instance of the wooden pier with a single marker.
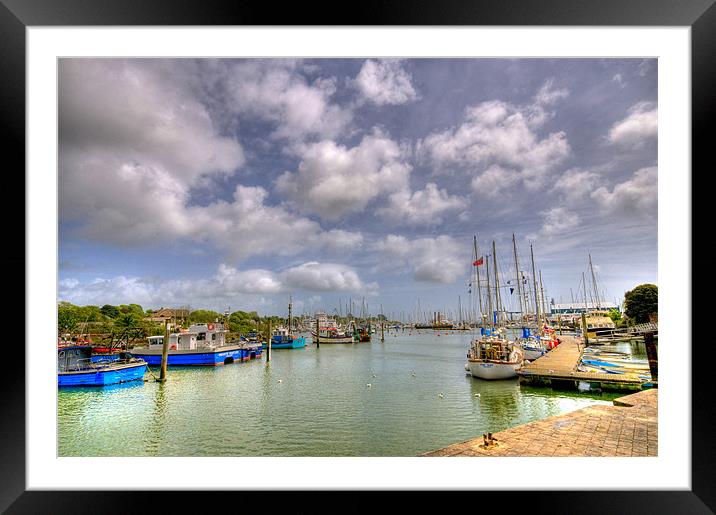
(559, 368)
(627, 428)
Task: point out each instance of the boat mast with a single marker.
(477, 273)
(534, 281)
(489, 293)
(544, 308)
(584, 290)
(289, 314)
(594, 283)
(517, 275)
(497, 281)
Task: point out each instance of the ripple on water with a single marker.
(321, 407)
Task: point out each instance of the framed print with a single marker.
(422, 251)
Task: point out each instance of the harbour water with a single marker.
(311, 402)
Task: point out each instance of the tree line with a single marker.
(72, 319)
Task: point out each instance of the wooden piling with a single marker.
(268, 342)
(165, 353)
(382, 331)
(318, 334)
(651, 348)
(584, 329)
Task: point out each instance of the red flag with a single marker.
(478, 262)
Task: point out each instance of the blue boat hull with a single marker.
(199, 358)
(296, 343)
(102, 377)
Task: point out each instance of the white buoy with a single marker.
(369, 385)
(375, 375)
(441, 395)
(477, 395)
(279, 380)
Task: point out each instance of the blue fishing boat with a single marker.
(75, 367)
(200, 345)
(281, 339)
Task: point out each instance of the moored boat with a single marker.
(75, 367)
(494, 357)
(200, 345)
(331, 335)
(282, 339)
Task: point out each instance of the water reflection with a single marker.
(321, 407)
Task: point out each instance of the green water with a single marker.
(322, 405)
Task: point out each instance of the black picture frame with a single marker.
(699, 15)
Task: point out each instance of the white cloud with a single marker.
(333, 181)
(576, 184)
(385, 82)
(275, 90)
(558, 219)
(227, 284)
(500, 133)
(494, 180)
(638, 195)
(639, 126)
(135, 140)
(439, 260)
(549, 95)
(619, 80)
(420, 207)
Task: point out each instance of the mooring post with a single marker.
(165, 353)
(382, 331)
(584, 329)
(651, 353)
(318, 343)
(268, 342)
(559, 324)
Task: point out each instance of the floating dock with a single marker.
(627, 428)
(558, 368)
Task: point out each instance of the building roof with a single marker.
(580, 306)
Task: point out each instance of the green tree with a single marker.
(109, 311)
(641, 302)
(203, 316)
(67, 318)
(615, 315)
(127, 320)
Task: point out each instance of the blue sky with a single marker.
(234, 183)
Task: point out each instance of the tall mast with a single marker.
(534, 281)
(584, 290)
(544, 308)
(497, 281)
(594, 283)
(489, 294)
(477, 273)
(289, 314)
(517, 275)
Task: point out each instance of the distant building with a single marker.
(164, 315)
(577, 308)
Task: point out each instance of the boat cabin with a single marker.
(197, 336)
(73, 357)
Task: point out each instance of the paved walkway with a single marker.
(628, 428)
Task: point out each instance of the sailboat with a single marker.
(492, 356)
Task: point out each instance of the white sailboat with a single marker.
(492, 356)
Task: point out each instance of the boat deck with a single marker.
(559, 368)
(628, 428)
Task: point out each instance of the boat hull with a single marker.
(489, 370)
(200, 357)
(103, 376)
(296, 343)
(342, 339)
